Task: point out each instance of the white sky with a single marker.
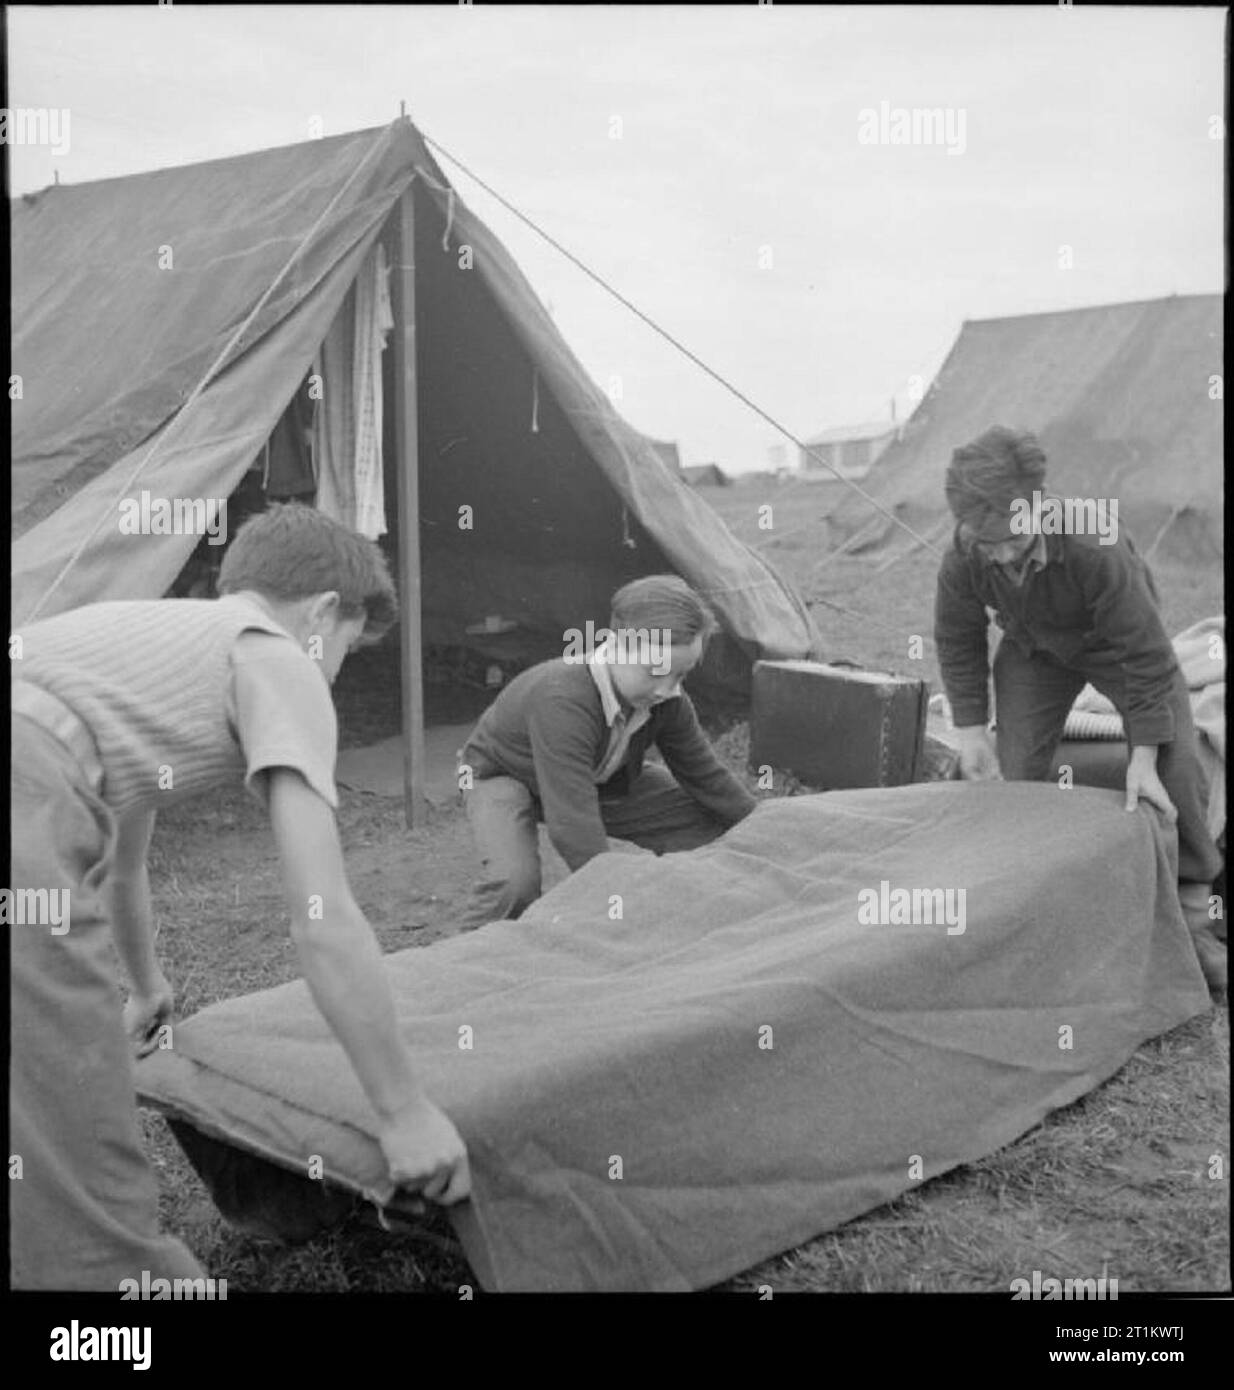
(1086, 128)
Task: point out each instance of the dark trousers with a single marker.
(656, 814)
(1033, 696)
(84, 1214)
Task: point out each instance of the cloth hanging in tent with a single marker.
(288, 460)
(374, 320)
(333, 428)
(348, 430)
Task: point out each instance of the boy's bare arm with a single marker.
(151, 1002)
(128, 889)
(341, 961)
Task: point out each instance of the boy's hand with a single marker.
(426, 1153)
(978, 758)
(1143, 784)
(146, 1012)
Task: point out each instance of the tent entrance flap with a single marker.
(202, 452)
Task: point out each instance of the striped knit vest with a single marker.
(152, 682)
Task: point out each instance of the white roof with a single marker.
(841, 433)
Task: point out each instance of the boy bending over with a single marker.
(1074, 608)
(119, 708)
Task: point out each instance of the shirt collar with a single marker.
(1039, 555)
(603, 678)
(1035, 561)
(251, 601)
(1045, 550)
(1052, 550)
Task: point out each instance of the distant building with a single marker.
(705, 475)
(849, 449)
(668, 452)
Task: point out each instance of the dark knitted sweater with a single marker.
(1092, 608)
(547, 729)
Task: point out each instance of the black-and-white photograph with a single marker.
(617, 661)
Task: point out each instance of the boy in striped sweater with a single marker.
(121, 708)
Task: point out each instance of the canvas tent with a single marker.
(1121, 396)
(162, 323)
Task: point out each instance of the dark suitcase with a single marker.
(837, 726)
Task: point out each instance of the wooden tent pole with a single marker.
(406, 436)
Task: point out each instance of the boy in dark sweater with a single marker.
(565, 743)
(1074, 609)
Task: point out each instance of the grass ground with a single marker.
(1120, 1180)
